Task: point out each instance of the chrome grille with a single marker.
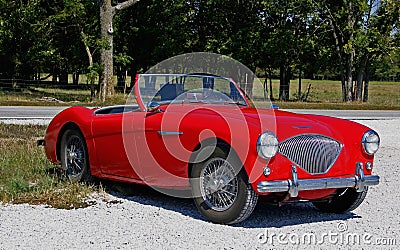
(313, 153)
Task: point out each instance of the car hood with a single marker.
(283, 123)
(289, 124)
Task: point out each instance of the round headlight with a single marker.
(370, 142)
(267, 145)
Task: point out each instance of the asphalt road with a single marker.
(31, 112)
(23, 112)
(352, 114)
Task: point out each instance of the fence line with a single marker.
(13, 84)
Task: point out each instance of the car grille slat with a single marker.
(313, 153)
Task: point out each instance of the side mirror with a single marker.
(274, 106)
(153, 107)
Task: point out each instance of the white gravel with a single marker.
(150, 220)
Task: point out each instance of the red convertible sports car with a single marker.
(200, 134)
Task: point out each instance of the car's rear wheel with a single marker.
(221, 189)
(74, 156)
(345, 200)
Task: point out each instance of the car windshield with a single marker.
(172, 88)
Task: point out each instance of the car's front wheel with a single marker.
(345, 200)
(74, 156)
(221, 189)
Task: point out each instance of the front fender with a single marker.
(79, 117)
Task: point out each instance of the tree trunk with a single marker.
(121, 77)
(91, 76)
(359, 86)
(64, 77)
(350, 61)
(54, 73)
(360, 77)
(75, 78)
(107, 12)
(265, 86)
(339, 54)
(366, 83)
(271, 95)
(284, 83)
(349, 94)
(299, 91)
(249, 84)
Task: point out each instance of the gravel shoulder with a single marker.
(150, 220)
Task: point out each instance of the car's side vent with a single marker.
(313, 153)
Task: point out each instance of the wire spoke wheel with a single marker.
(221, 189)
(74, 156)
(218, 184)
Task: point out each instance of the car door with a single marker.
(110, 148)
(157, 143)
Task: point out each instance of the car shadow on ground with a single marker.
(265, 215)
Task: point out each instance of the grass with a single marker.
(324, 94)
(26, 176)
(36, 96)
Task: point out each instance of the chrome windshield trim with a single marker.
(143, 101)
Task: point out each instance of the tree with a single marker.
(85, 19)
(288, 34)
(44, 36)
(159, 30)
(355, 40)
(107, 13)
(343, 16)
(361, 30)
(217, 27)
(374, 40)
(19, 42)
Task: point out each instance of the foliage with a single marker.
(354, 41)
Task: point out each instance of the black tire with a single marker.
(74, 156)
(221, 189)
(345, 200)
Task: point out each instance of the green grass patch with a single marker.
(326, 94)
(26, 176)
(38, 96)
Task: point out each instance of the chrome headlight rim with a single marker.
(272, 145)
(370, 142)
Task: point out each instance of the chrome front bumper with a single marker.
(294, 185)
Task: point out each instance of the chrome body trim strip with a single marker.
(169, 133)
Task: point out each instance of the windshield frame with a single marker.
(145, 106)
